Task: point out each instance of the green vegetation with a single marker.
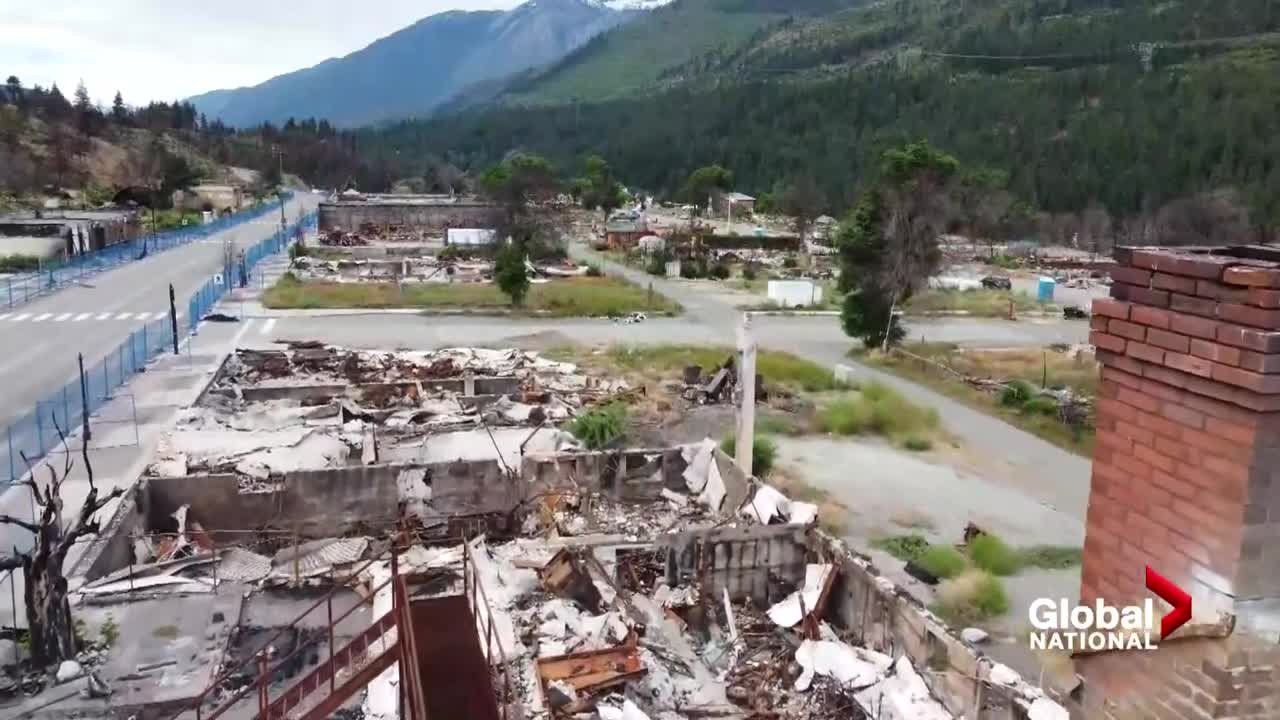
(510, 275)
(904, 547)
(109, 632)
(600, 427)
(19, 263)
(764, 451)
(1022, 370)
(1050, 557)
(776, 367)
(971, 597)
(638, 55)
(917, 443)
(942, 561)
(979, 303)
(877, 409)
(990, 553)
(572, 297)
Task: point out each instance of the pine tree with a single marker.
(119, 112)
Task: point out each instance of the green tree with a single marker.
(889, 244)
(803, 200)
(119, 113)
(511, 275)
(13, 89)
(703, 182)
(521, 185)
(598, 188)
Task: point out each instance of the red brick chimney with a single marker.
(1186, 478)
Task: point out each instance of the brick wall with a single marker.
(1188, 441)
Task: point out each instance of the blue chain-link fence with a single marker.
(20, 289)
(36, 433)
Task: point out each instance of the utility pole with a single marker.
(275, 150)
(747, 389)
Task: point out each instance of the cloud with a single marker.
(162, 50)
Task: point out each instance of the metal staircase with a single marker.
(346, 671)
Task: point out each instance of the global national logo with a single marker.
(1059, 626)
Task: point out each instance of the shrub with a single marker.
(904, 547)
(973, 596)
(19, 263)
(657, 265)
(917, 443)
(719, 271)
(992, 554)
(689, 271)
(600, 427)
(748, 272)
(942, 561)
(1041, 405)
(511, 275)
(879, 410)
(764, 451)
(109, 632)
(1017, 393)
(298, 250)
(594, 270)
(790, 263)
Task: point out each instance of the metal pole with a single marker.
(262, 684)
(173, 317)
(332, 670)
(84, 403)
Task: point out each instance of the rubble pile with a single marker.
(340, 238)
(312, 406)
(418, 269)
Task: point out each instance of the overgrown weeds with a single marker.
(764, 451)
(880, 410)
(600, 427)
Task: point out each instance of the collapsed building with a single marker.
(395, 534)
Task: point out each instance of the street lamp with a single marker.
(275, 150)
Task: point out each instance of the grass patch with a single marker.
(942, 561)
(19, 263)
(764, 451)
(992, 554)
(776, 367)
(980, 303)
(878, 409)
(971, 597)
(570, 297)
(1050, 557)
(1025, 369)
(904, 547)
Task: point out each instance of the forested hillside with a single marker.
(49, 143)
(1124, 105)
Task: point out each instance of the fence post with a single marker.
(146, 346)
(66, 410)
(13, 470)
(133, 353)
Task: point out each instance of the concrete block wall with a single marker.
(1186, 478)
(748, 561)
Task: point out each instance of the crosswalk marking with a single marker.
(42, 318)
(103, 316)
(20, 318)
(267, 326)
(81, 316)
(124, 316)
(63, 317)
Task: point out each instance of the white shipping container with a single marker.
(793, 293)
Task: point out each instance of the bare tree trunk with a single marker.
(48, 611)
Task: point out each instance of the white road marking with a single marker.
(124, 316)
(266, 326)
(20, 318)
(103, 316)
(4, 315)
(81, 316)
(42, 318)
(235, 342)
(63, 317)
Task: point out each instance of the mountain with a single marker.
(1123, 106)
(414, 70)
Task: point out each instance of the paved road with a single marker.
(41, 339)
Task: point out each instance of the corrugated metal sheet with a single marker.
(240, 565)
(318, 556)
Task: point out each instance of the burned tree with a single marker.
(45, 594)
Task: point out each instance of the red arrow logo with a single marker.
(1175, 596)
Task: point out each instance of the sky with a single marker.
(169, 49)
